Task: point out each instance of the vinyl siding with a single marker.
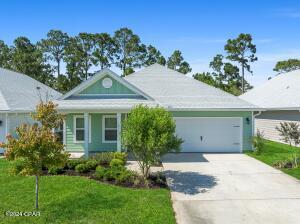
(268, 121)
(96, 144)
(15, 120)
(97, 88)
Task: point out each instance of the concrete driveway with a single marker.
(230, 188)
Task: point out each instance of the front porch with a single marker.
(89, 133)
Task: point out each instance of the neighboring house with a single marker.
(280, 96)
(19, 95)
(208, 119)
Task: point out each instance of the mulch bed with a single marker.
(155, 180)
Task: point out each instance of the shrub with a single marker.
(116, 173)
(54, 170)
(258, 142)
(103, 158)
(121, 156)
(290, 163)
(91, 164)
(116, 162)
(82, 168)
(72, 163)
(100, 172)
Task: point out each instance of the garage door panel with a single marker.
(218, 134)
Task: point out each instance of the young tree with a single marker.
(242, 51)
(130, 51)
(27, 58)
(5, 55)
(54, 47)
(287, 66)
(149, 133)
(105, 50)
(37, 145)
(290, 132)
(153, 56)
(177, 63)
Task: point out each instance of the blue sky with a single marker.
(198, 28)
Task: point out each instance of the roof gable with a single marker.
(95, 87)
(98, 88)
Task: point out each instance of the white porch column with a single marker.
(6, 125)
(119, 132)
(64, 133)
(86, 134)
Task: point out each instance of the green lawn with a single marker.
(273, 152)
(66, 199)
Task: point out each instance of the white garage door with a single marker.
(210, 134)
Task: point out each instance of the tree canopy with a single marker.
(177, 63)
(242, 51)
(287, 65)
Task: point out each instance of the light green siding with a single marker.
(97, 88)
(247, 126)
(96, 144)
(96, 135)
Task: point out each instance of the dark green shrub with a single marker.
(91, 164)
(73, 162)
(100, 172)
(116, 162)
(82, 168)
(116, 173)
(54, 170)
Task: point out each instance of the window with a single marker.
(109, 129)
(59, 131)
(79, 129)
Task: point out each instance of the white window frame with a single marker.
(74, 128)
(103, 128)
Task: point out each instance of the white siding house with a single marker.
(19, 94)
(280, 97)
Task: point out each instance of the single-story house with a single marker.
(207, 119)
(280, 97)
(19, 95)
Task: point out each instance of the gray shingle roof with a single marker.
(19, 92)
(177, 91)
(281, 92)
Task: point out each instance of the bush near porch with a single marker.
(273, 153)
(75, 199)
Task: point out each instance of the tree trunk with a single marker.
(36, 192)
(58, 69)
(243, 79)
